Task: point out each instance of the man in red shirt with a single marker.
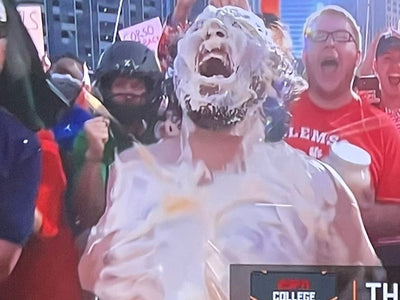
(387, 68)
(329, 111)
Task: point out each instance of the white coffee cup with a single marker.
(352, 163)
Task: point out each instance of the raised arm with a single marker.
(88, 195)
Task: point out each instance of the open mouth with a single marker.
(215, 62)
(330, 63)
(394, 79)
(213, 117)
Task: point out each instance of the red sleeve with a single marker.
(167, 45)
(389, 177)
(52, 185)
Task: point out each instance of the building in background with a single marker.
(385, 13)
(372, 16)
(86, 27)
(294, 13)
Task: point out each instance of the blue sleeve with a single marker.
(67, 129)
(20, 162)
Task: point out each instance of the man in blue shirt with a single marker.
(19, 179)
(26, 105)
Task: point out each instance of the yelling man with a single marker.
(329, 111)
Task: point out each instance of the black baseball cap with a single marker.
(388, 41)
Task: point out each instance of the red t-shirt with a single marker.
(314, 130)
(394, 115)
(48, 266)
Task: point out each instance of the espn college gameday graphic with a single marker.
(292, 285)
(273, 282)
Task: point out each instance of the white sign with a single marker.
(147, 33)
(31, 16)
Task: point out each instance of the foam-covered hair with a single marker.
(258, 68)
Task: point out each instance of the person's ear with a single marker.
(359, 58)
(375, 67)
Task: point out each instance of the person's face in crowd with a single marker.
(129, 91)
(330, 55)
(128, 95)
(387, 68)
(69, 66)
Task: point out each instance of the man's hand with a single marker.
(185, 3)
(183, 7)
(182, 11)
(96, 131)
(240, 3)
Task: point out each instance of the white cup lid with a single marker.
(351, 153)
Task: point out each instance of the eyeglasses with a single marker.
(340, 36)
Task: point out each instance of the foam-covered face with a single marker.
(222, 67)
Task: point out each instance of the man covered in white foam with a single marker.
(181, 211)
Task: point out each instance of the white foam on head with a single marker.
(351, 153)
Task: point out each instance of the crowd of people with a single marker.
(149, 181)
